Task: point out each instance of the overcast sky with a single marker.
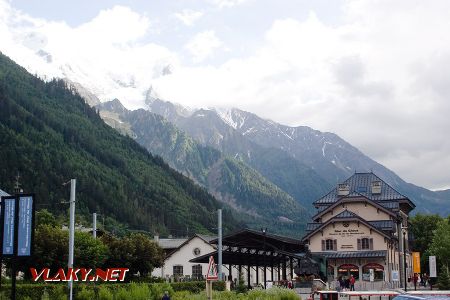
(377, 73)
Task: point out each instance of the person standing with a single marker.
(166, 296)
(415, 279)
(352, 283)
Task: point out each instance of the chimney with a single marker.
(376, 187)
(343, 189)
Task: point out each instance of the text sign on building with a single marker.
(395, 276)
(416, 262)
(432, 261)
(8, 220)
(25, 225)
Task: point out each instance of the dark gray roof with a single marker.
(389, 205)
(312, 226)
(346, 214)
(352, 254)
(360, 184)
(178, 242)
(207, 238)
(171, 243)
(383, 225)
(3, 193)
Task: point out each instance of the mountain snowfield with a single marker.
(232, 131)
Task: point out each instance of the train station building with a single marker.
(361, 227)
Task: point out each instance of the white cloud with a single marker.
(379, 78)
(203, 45)
(188, 16)
(227, 3)
(105, 55)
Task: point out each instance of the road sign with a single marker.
(212, 270)
(433, 272)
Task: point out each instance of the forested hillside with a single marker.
(49, 134)
(255, 199)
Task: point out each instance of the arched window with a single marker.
(344, 271)
(378, 272)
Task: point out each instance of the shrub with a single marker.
(85, 294)
(158, 290)
(104, 294)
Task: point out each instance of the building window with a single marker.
(197, 272)
(365, 244)
(346, 270)
(376, 269)
(329, 245)
(178, 271)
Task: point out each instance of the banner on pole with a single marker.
(212, 270)
(8, 219)
(432, 262)
(25, 225)
(416, 262)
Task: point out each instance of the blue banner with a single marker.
(9, 209)
(25, 226)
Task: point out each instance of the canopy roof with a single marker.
(256, 248)
(254, 239)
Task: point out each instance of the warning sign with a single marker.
(212, 270)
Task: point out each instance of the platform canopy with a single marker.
(256, 248)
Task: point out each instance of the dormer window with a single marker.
(343, 189)
(376, 187)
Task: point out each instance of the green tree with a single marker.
(89, 252)
(422, 227)
(51, 246)
(136, 252)
(444, 279)
(441, 243)
(44, 217)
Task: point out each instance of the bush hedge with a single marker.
(104, 291)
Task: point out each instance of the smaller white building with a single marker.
(178, 254)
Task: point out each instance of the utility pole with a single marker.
(73, 183)
(94, 225)
(219, 246)
(404, 257)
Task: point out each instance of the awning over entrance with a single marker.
(353, 254)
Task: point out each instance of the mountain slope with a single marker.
(49, 134)
(257, 200)
(208, 128)
(320, 157)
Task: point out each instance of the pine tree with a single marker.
(444, 279)
(241, 288)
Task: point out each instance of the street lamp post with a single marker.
(264, 231)
(404, 257)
